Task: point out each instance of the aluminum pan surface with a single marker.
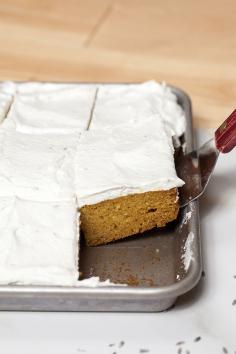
(152, 265)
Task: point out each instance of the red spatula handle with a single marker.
(225, 135)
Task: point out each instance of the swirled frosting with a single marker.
(37, 167)
(38, 242)
(50, 109)
(121, 104)
(122, 161)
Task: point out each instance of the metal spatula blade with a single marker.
(196, 167)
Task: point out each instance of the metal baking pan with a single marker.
(152, 265)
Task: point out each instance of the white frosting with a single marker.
(65, 108)
(38, 242)
(187, 217)
(124, 160)
(32, 88)
(37, 167)
(8, 87)
(53, 108)
(119, 104)
(188, 252)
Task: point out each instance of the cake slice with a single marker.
(121, 104)
(51, 109)
(38, 242)
(39, 220)
(37, 167)
(126, 181)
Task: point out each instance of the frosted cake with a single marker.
(49, 110)
(94, 157)
(37, 167)
(38, 242)
(125, 181)
(121, 104)
(129, 149)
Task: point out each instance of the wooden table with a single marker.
(188, 43)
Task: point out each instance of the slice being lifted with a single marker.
(125, 180)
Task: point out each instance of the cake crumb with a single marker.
(132, 280)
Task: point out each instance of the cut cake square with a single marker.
(50, 108)
(121, 104)
(126, 181)
(37, 167)
(38, 242)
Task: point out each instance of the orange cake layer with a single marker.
(118, 218)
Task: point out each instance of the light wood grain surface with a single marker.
(187, 43)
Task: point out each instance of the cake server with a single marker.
(196, 167)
